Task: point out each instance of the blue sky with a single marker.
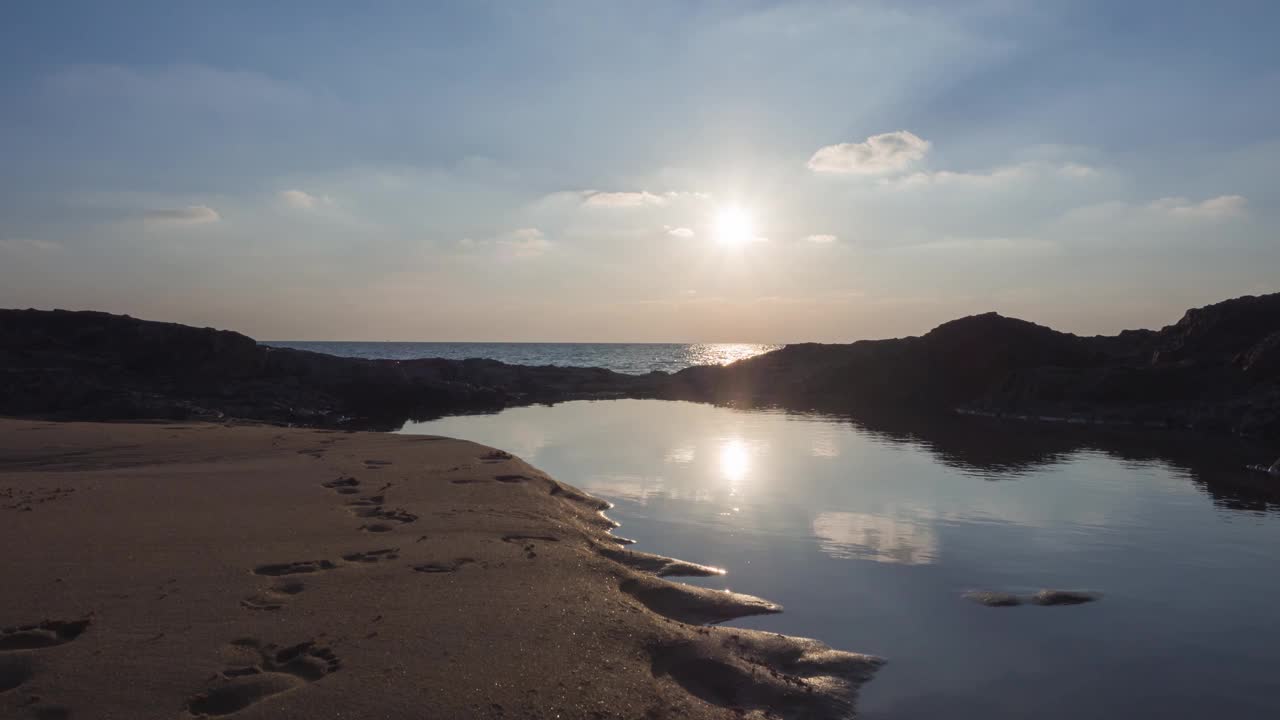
(563, 170)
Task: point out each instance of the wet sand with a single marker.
(170, 571)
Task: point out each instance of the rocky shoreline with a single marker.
(1217, 370)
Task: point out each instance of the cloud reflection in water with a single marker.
(859, 536)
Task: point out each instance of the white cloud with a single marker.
(1159, 213)
(822, 239)
(680, 232)
(686, 195)
(27, 247)
(877, 155)
(970, 245)
(995, 176)
(182, 87)
(301, 200)
(525, 242)
(522, 243)
(1077, 170)
(1222, 206)
(623, 199)
(190, 215)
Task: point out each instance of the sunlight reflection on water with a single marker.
(632, 358)
(870, 535)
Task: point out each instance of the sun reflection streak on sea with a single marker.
(633, 358)
(724, 353)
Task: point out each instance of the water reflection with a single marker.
(683, 454)
(1002, 450)
(869, 531)
(824, 445)
(879, 538)
(735, 461)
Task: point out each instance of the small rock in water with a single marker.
(994, 599)
(1063, 597)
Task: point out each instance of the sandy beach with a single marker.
(169, 571)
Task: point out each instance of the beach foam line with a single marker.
(744, 670)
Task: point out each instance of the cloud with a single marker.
(181, 87)
(974, 245)
(522, 243)
(877, 155)
(1222, 206)
(623, 199)
(190, 215)
(1077, 170)
(301, 200)
(1160, 213)
(680, 232)
(27, 247)
(995, 176)
(822, 239)
(634, 199)
(525, 242)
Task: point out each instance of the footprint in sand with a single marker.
(496, 456)
(375, 464)
(443, 567)
(378, 511)
(519, 538)
(14, 671)
(513, 478)
(294, 568)
(558, 490)
(367, 501)
(528, 547)
(279, 671)
(42, 635)
(274, 597)
(373, 556)
(343, 485)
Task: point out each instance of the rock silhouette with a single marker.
(1217, 369)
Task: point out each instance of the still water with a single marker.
(870, 535)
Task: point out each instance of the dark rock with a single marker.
(994, 599)
(1063, 597)
(1217, 369)
(91, 365)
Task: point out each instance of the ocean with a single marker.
(631, 358)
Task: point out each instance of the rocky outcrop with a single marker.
(91, 365)
(953, 364)
(1217, 369)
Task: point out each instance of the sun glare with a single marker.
(735, 460)
(734, 226)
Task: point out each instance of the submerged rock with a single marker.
(1272, 469)
(992, 598)
(1063, 597)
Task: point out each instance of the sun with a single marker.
(734, 226)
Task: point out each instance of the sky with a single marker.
(638, 172)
